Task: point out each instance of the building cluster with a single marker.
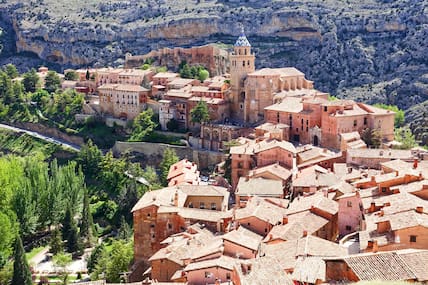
(338, 224)
(308, 202)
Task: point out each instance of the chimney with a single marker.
(396, 173)
(372, 207)
(415, 163)
(419, 209)
(372, 244)
(284, 220)
(305, 233)
(176, 198)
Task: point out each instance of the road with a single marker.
(43, 137)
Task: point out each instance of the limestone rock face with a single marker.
(352, 48)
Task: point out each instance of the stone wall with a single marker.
(153, 152)
(48, 131)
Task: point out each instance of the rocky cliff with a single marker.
(373, 50)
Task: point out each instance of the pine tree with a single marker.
(86, 224)
(56, 241)
(70, 233)
(21, 269)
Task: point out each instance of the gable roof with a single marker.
(259, 187)
(244, 237)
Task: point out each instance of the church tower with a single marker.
(241, 63)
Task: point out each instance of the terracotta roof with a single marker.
(417, 261)
(272, 127)
(380, 153)
(404, 220)
(309, 221)
(290, 231)
(134, 72)
(259, 187)
(166, 75)
(288, 104)
(123, 87)
(309, 269)
(269, 144)
(224, 262)
(317, 200)
(380, 266)
(244, 237)
(165, 196)
(274, 169)
(288, 251)
(261, 209)
(264, 270)
(283, 72)
(251, 147)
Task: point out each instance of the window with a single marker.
(201, 205)
(169, 226)
(365, 121)
(243, 63)
(325, 108)
(207, 274)
(348, 228)
(412, 238)
(241, 106)
(349, 204)
(248, 224)
(227, 276)
(355, 123)
(213, 206)
(383, 189)
(190, 205)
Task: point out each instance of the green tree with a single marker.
(405, 136)
(21, 269)
(372, 137)
(95, 256)
(86, 223)
(203, 74)
(143, 125)
(112, 174)
(71, 75)
(70, 233)
(56, 242)
(120, 258)
(90, 157)
(399, 114)
(200, 113)
(185, 71)
(7, 235)
(152, 177)
(52, 81)
(60, 261)
(169, 158)
(124, 231)
(11, 71)
(30, 80)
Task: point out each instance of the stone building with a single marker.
(122, 100)
(316, 120)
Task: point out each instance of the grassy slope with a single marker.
(23, 144)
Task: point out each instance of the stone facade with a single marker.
(122, 100)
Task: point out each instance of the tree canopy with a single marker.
(200, 113)
(169, 158)
(21, 269)
(31, 80)
(143, 125)
(52, 81)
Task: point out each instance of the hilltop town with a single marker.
(277, 182)
(307, 202)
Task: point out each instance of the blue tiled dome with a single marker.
(242, 41)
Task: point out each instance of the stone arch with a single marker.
(207, 134)
(215, 135)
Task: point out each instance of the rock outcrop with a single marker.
(347, 47)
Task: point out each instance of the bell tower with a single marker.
(241, 63)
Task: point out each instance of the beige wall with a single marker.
(198, 276)
(206, 200)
